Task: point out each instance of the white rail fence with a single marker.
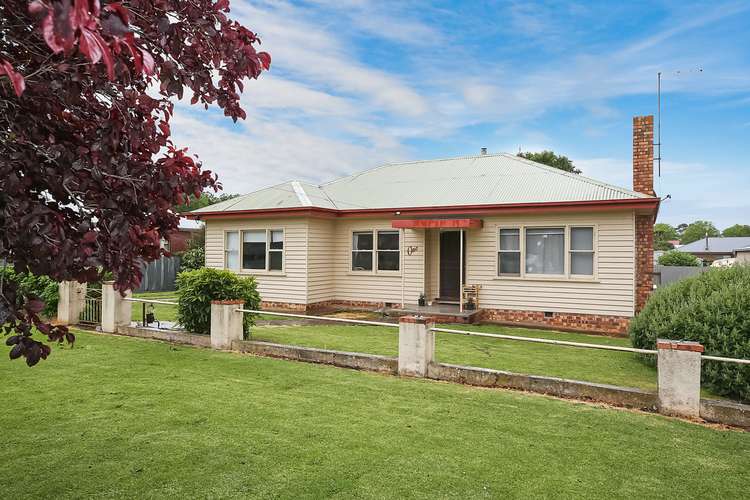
(678, 362)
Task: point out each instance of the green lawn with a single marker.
(619, 368)
(123, 417)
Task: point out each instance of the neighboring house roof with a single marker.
(189, 225)
(496, 179)
(717, 245)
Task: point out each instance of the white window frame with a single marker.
(520, 251)
(375, 251)
(566, 276)
(267, 269)
(239, 250)
(570, 251)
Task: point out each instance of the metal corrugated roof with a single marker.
(474, 180)
(716, 245)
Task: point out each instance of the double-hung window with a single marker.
(388, 251)
(376, 251)
(362, 251)
(582, 251)
(232, 250)
(276, 250)
(254, 250)
(509, 253)
(545, 250)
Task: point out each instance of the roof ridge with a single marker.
(580, 177)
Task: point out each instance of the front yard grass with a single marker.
(609, 367)
(125, 417)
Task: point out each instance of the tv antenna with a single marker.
(658, 114)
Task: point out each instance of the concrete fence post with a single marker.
(679, 377)
(226, 323)
(71, 302)
(116, 311)
(416, 345)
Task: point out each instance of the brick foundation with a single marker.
(593, 323)
(283, 306)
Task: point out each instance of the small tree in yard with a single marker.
(88, 173)
(677, 258)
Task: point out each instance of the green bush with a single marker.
(41, 287)
(712, 308)
(196, 289)
(193, 259)
(677, 258)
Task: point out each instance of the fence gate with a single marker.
(91, 313)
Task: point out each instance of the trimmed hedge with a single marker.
(712, 308)
(41, 287)
(677, 258)
(196, 289)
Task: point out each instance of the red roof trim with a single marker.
(648, 205)
(435, 223)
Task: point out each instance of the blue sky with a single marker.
(356, 83)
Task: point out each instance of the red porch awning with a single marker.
(436, 223)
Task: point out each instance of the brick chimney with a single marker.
(643, 182)
(643, 154)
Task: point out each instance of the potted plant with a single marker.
(422, 301)
(470, 305)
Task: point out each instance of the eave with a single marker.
(641, 205)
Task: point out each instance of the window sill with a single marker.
(259, 272)
(390, 274)
(559, 279)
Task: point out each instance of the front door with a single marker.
(450, 262)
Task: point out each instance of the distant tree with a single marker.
(663, 233)
(681, 228)
(736, 230)
(677, 258)
(205, 199)
(550, 158)
(697, 230)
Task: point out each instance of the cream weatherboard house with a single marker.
(542, 246)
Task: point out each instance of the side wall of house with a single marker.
(277, 289)
(321, 282)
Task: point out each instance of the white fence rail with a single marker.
(323, 318)
(545, 341)
(150, 301)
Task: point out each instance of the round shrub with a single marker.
(196, 289)
(712, 308)
(193, 259)
(677, 258)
